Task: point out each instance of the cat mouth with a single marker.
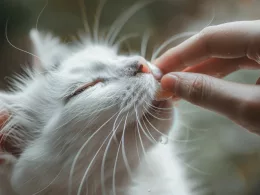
(159, 103)
(159, 112)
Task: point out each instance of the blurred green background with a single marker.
(163, 19)
(64, 17)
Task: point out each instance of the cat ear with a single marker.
(4, 117)
(9, 135)
(49, 50)
(7, 159)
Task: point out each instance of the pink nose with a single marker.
(143, 66)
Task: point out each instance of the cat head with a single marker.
(75, 107)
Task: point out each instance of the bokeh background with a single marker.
(226, 159)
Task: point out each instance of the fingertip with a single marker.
(168, 82)
(169, 61)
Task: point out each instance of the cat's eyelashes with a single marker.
(84, 87)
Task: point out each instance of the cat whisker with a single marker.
(97, 20)
(158, 111)
(15, 138)
(194, 129)
(124, 153)
(128, 47)
(154, 126)
(148, 112)
(139, 123)
(143, 149)
(213, 17)
(38, 18)
(148, 129)
(136, 143)
(141, 143)
(102, 109)
(158, 108)
(19, 49)
(79, 132)
(114, 129)
(81, 149)
(114, 170)
(144, 43)
(126, 37)
(169, 41)
(195, 169)
(49, 183)
(105, 153)
(84, 16)
(122, 19)
(187, 137)
(192, 167)
(167, 136)
(37, 167)
(15, 135)
(80, 114)
(90, 164)
(194, 140)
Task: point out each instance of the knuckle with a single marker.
(199, 89)
(205, 37)
(208, 31)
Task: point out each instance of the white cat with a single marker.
(86, 122)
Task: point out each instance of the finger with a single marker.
(221, 67)
(211, 93)
(231, 40)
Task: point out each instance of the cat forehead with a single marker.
(99, 51)
(92, 55)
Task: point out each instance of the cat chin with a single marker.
(161, 111)
(159, 119)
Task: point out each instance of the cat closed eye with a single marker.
(84, 87)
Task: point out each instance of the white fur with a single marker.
(55, 132)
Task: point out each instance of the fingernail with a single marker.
(157, 73)
(168, 82)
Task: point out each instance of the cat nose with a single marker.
(142, 66)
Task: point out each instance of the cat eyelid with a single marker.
(85, 87)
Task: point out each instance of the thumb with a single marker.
(211, 93)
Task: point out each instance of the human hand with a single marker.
(217, 51)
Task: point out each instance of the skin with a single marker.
(200, 62)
